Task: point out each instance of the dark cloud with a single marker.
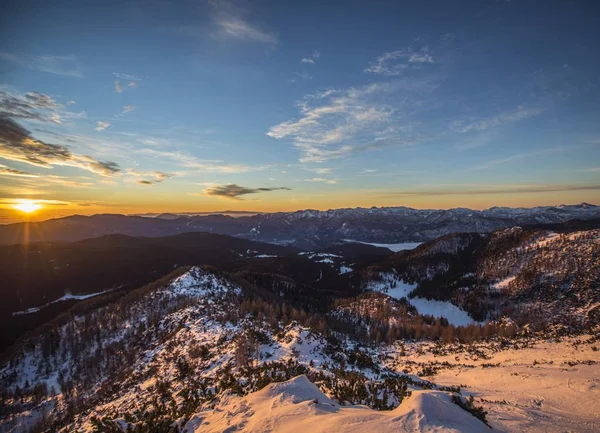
(28, 107)
(145, 182)
(234, 191)
(17, 144)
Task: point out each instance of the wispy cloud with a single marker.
(17, 144)
(322, 180)
(335, 123)
(67, 182)
(101, 126)
(319, 170)
(231, 27)
(396, 63)
(235, 192)
(126, 77)
(149, 177)
(128, 109)
(494, 189)
(312, 59)
(521, 156)
(59, 65)
(125, 81)
(519, 113)
(7, 171)
(186, 161)
(120, 88)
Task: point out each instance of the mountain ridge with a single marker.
(375, 224)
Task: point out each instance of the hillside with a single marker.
(194, 339)
(531, 275)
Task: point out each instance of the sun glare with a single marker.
(27, 206)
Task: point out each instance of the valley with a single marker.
(467, 332)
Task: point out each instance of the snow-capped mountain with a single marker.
(386, 224)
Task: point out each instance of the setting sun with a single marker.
(27, 206)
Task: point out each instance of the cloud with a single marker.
(126, 77)
(128, 109)
(191, 162)
(58, 65)
(495, 189)
(401, 110)
(131, 81)
(120, 88)
(66, 182)
(336, 123)
(396, 63)
(34, 106)
(234, 192)
(101, 126)
(17, 144)
(231, 27)
(312, 59)
(521, 156)
(156, 176)
(7, 171)
(323, 180)
(303, 75)
(520, 113)
(323, 170)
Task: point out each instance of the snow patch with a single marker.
(392, 247)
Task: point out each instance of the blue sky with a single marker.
(198, 105)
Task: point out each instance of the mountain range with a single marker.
(305, 228)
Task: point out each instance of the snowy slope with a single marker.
(538, 385)
(389, 284)
(298, 405)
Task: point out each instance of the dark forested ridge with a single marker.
(38, 274)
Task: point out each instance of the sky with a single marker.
(196, 106)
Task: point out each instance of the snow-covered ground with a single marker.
(550, 387)
(298, 405)
(400, 289)
(333, 260)
(393, 247)
(66, 297)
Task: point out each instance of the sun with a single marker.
(27, 206)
